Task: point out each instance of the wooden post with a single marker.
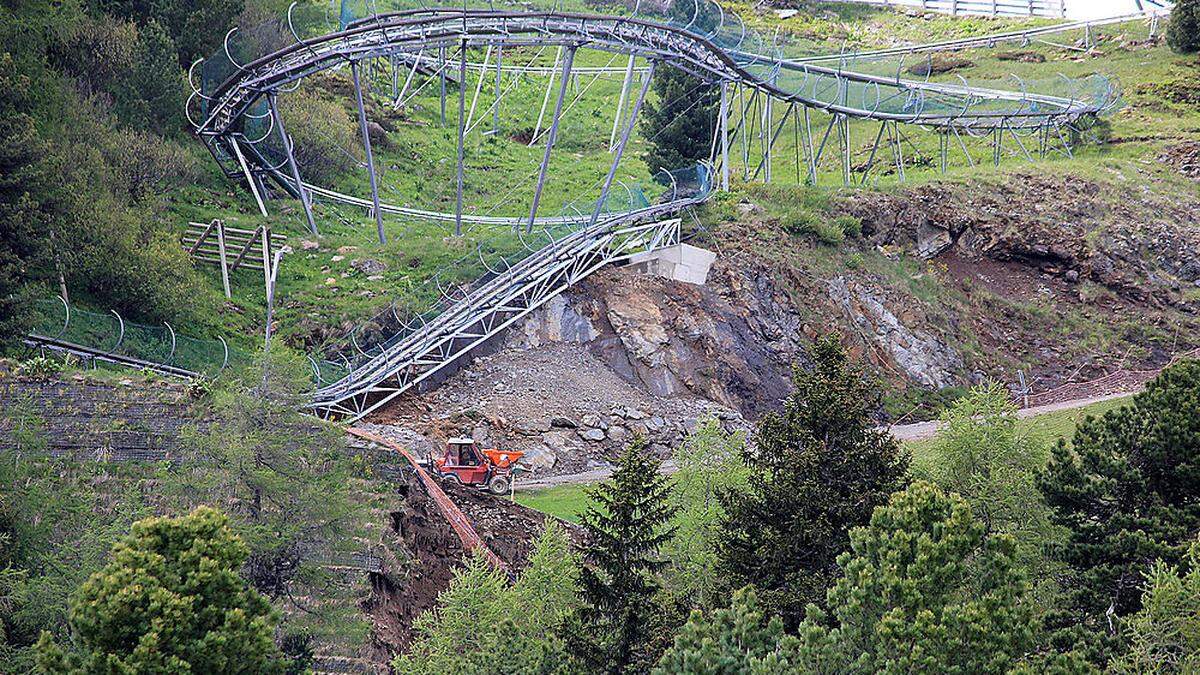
(224, 263)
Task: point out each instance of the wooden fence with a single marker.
(231, 248)
(1055, 9)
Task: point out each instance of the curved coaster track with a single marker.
(234, 108)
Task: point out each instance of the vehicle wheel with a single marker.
(499, 485)
(452, 477)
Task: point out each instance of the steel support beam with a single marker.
(237, 151)
(612, 137)
(537, 128)
(366, 139)
(612, 170)
(442, 77)
(305, 197)
(767, 138)
(496, 104)
(462, 101)
(558, 105)
(725, 135)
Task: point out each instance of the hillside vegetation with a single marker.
(153, 524)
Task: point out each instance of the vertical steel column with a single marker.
(898, 151)
(462, 101)
(612, 170)
(395, 76)
(725, 135)
(847, 159)
(612, 137)
(998, 138)
(287, 147)
(366, 138)
(944, 149)
(768, 120)
(496, 106)
(809, 150)
(237, 151)
(442, 76)
(224, 261)
(796, 141)
(558, 105)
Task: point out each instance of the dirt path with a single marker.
(919, 431)
(904, 432)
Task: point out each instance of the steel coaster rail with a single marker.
(445, 303)
(497, 304)
(685, 50)
(1024, 35)
(468, 314)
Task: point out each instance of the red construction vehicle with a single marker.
(464, 463)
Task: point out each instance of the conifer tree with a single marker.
(924, 589)
(482, 624)
(736, 639)
(1183, 32)
(681, 120)
(626, 525)
(170, 600)
(817, 469)
(23, 178)
(1164, 637)
(1128, 491)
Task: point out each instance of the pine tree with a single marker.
(1128, 491)
(23, 179)
(283, 475)
(484, 625)
(986, 458)
(1183, 32)
(924, 589)
(680, 122)
(708, 463)
(736, 639)
(625, 526)
(170, 600)
(1164, 637)
(151, 95)
(817, 469)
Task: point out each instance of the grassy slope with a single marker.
(569, 501)
(319, 295)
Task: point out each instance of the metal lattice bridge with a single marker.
(476, 57)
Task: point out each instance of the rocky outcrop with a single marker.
(732, 341)
(1138, 242)
(923, 357)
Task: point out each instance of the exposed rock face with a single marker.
(923, 357)
(732, 341)
(1139, 243)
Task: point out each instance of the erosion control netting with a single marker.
(113, 335)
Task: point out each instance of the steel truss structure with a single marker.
(408, 37)
(714, 47)
(493, 306)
